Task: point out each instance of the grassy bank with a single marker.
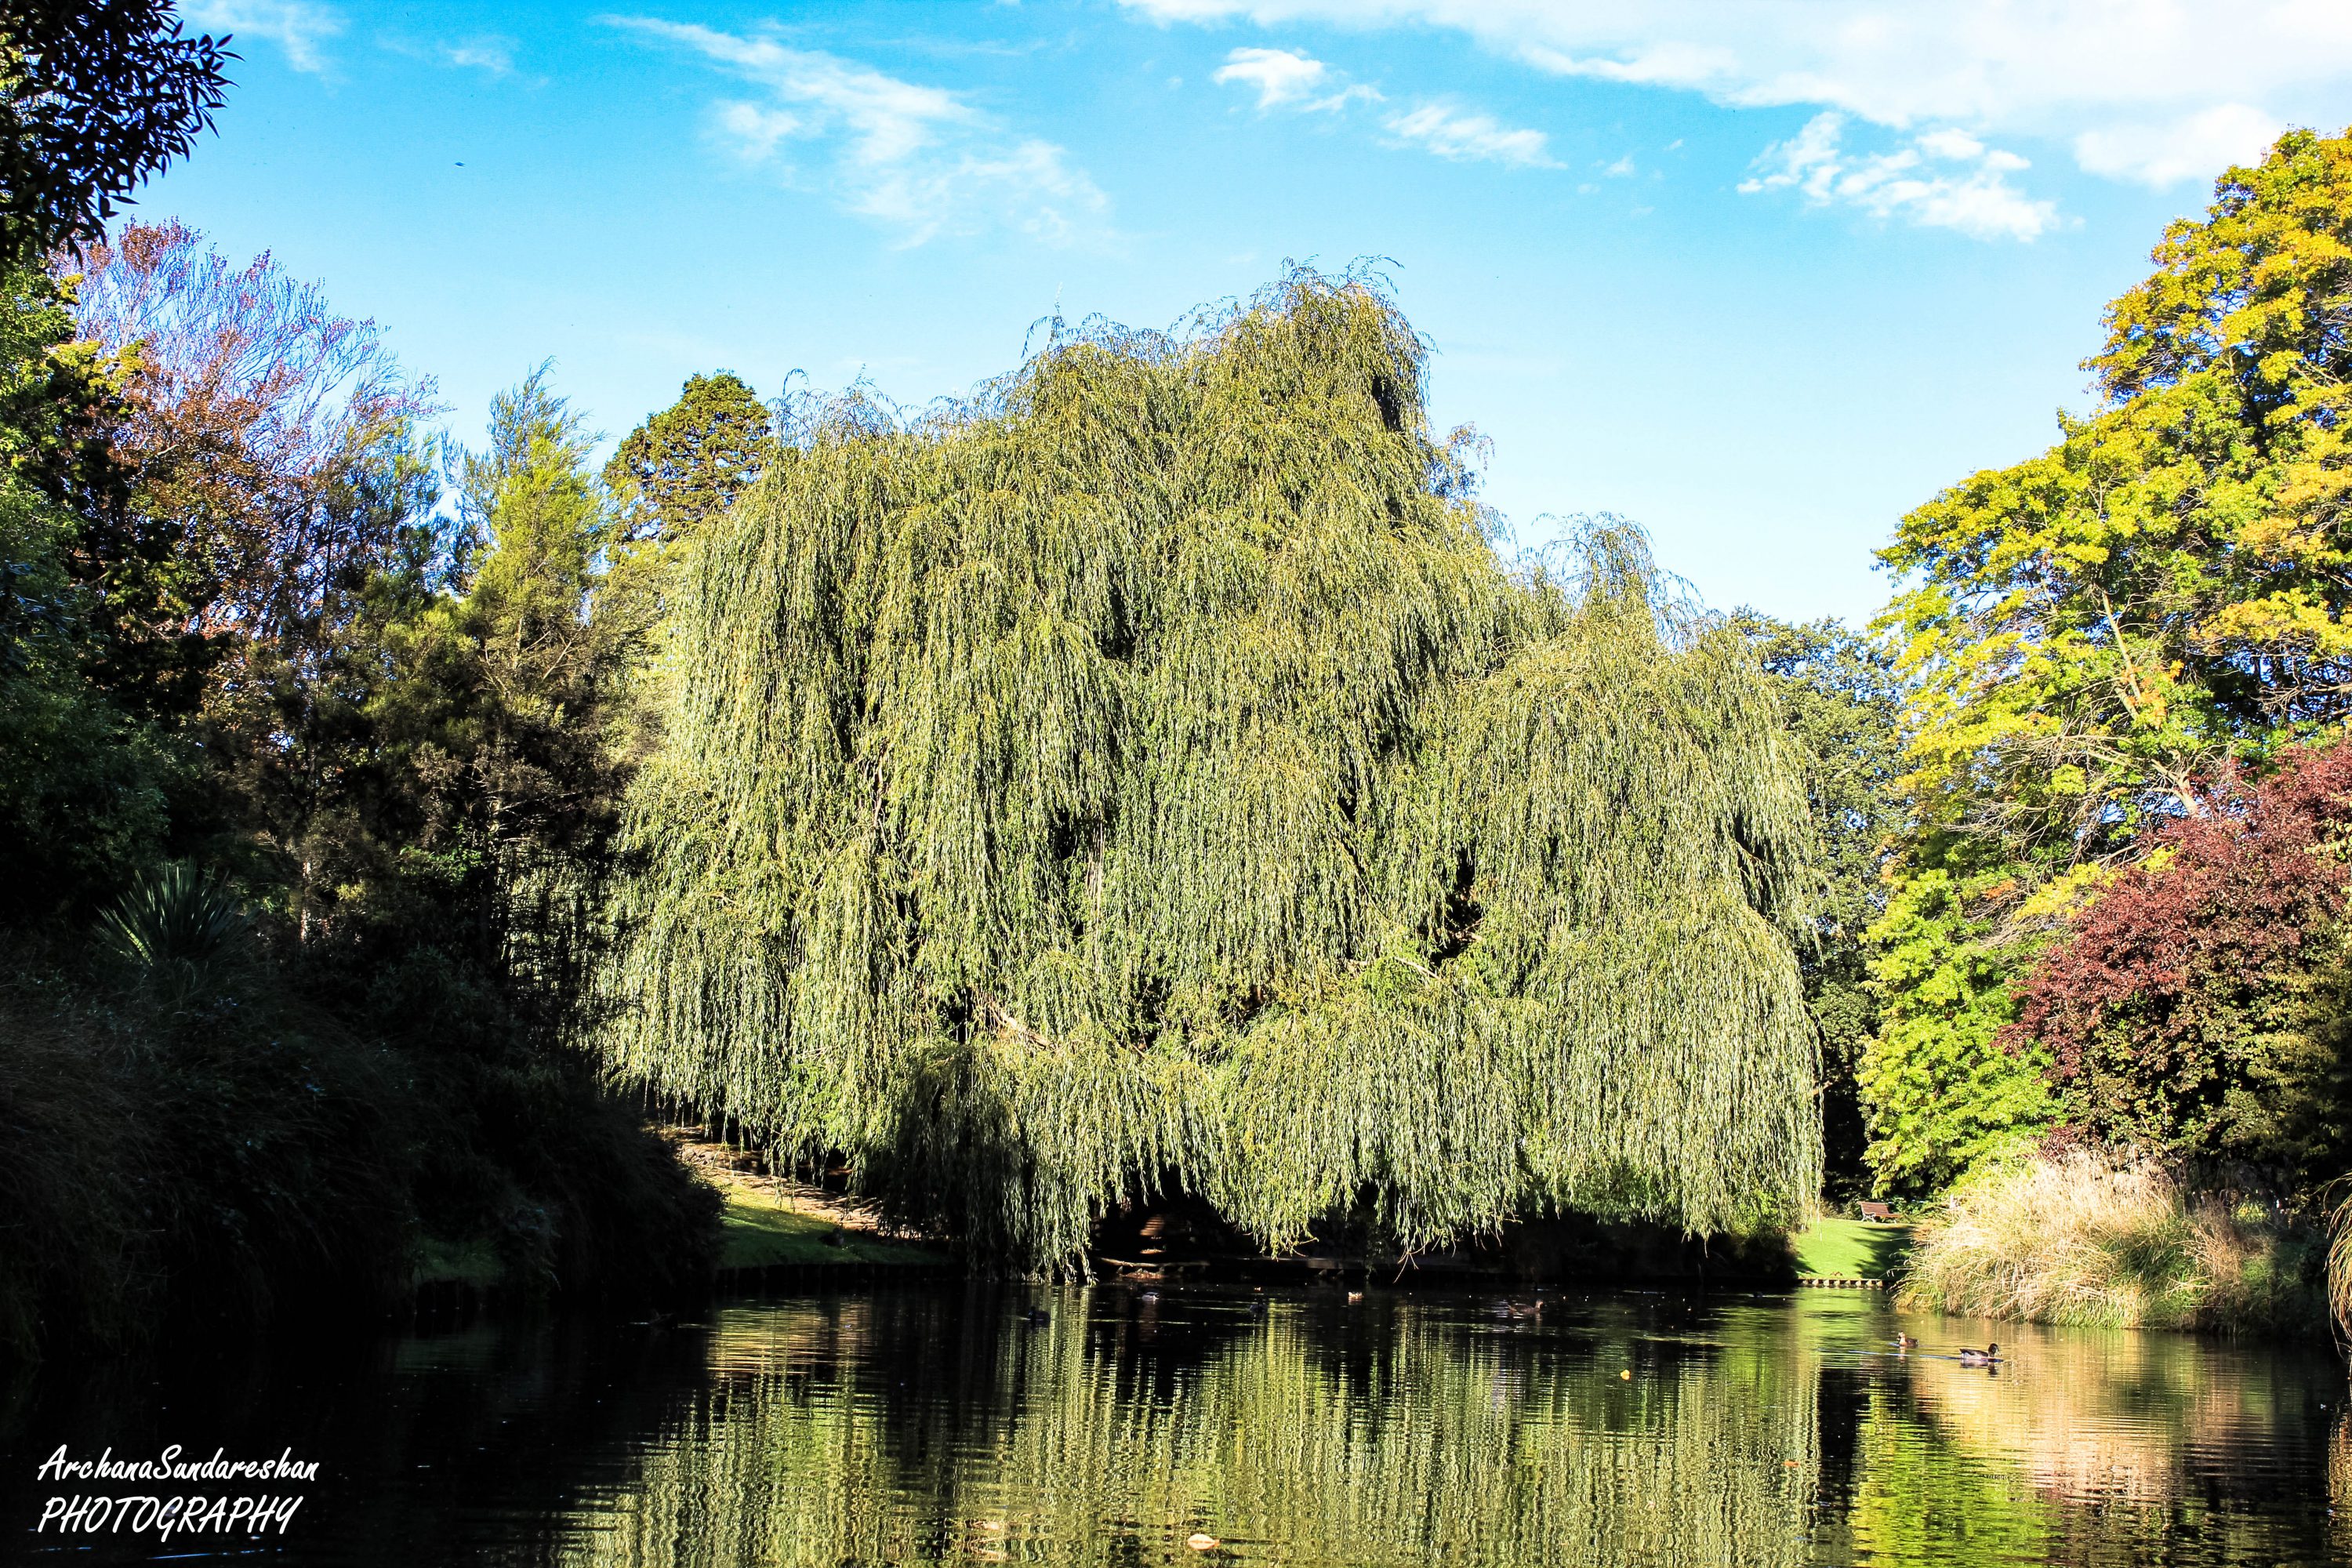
(1833, 1248)
(758, 1235)
(768, 1224)
(2083, 1239)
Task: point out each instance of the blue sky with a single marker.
(1758, 274)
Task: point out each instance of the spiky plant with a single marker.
(1147, 778)
(175, 917)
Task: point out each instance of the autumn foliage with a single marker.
(2192, 1008)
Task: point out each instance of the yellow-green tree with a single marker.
(2089, 632)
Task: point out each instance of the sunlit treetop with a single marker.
(687, 464)
(2259, 287)
(2096, 628)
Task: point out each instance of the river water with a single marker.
(946, 1424)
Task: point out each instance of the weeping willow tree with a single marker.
(1147, 777)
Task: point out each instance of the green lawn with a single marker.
(756, 1234)
(1849, 1249)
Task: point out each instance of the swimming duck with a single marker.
(1039, 1315)
(1985, 1357)
(1506, 1309)
(1355, 1297)
(1905, 1342)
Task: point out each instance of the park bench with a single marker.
(1878, 1213)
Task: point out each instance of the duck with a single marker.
(1258, 1308)
(1905, 1342)
(1355, 1297)
(1507, 1309)
(1147, 1297)
(1985, 1357)
(1039, 1315)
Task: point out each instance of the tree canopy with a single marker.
(2197, 1006)
(687, 464)
(1147, 778)
(2092, 633)
(1842, 701)
(94, 97)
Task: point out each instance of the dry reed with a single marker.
(2089, 1238)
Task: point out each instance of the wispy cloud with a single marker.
(298, 28)
(1295, 80)
(916, 158)
(1462, 133)
(1286, 78)
(489, 54)
(1941, 179)
(2156, 91)
(755, 133)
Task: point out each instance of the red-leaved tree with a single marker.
(2194, 1007)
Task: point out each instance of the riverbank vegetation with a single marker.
(304, 784)
(2115, 911)
(1144, 781)
(2080, 1238)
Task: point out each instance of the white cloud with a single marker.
(2156, 90)
(297, 26)
(1285, 79)
(2163, 154)
(1461, 134)
(492, 54)
(1943, 179)
(916, 158)
(755, 132)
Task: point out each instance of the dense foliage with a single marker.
(1148, 778)
(2091, 632)
(256, 682)
(2195, 1007)
(684, 467)
(95, 95)
(1842, 702)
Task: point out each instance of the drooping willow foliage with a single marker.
(1148, 778)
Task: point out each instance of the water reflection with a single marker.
(946, 1425)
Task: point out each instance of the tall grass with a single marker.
(2088, 1237)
